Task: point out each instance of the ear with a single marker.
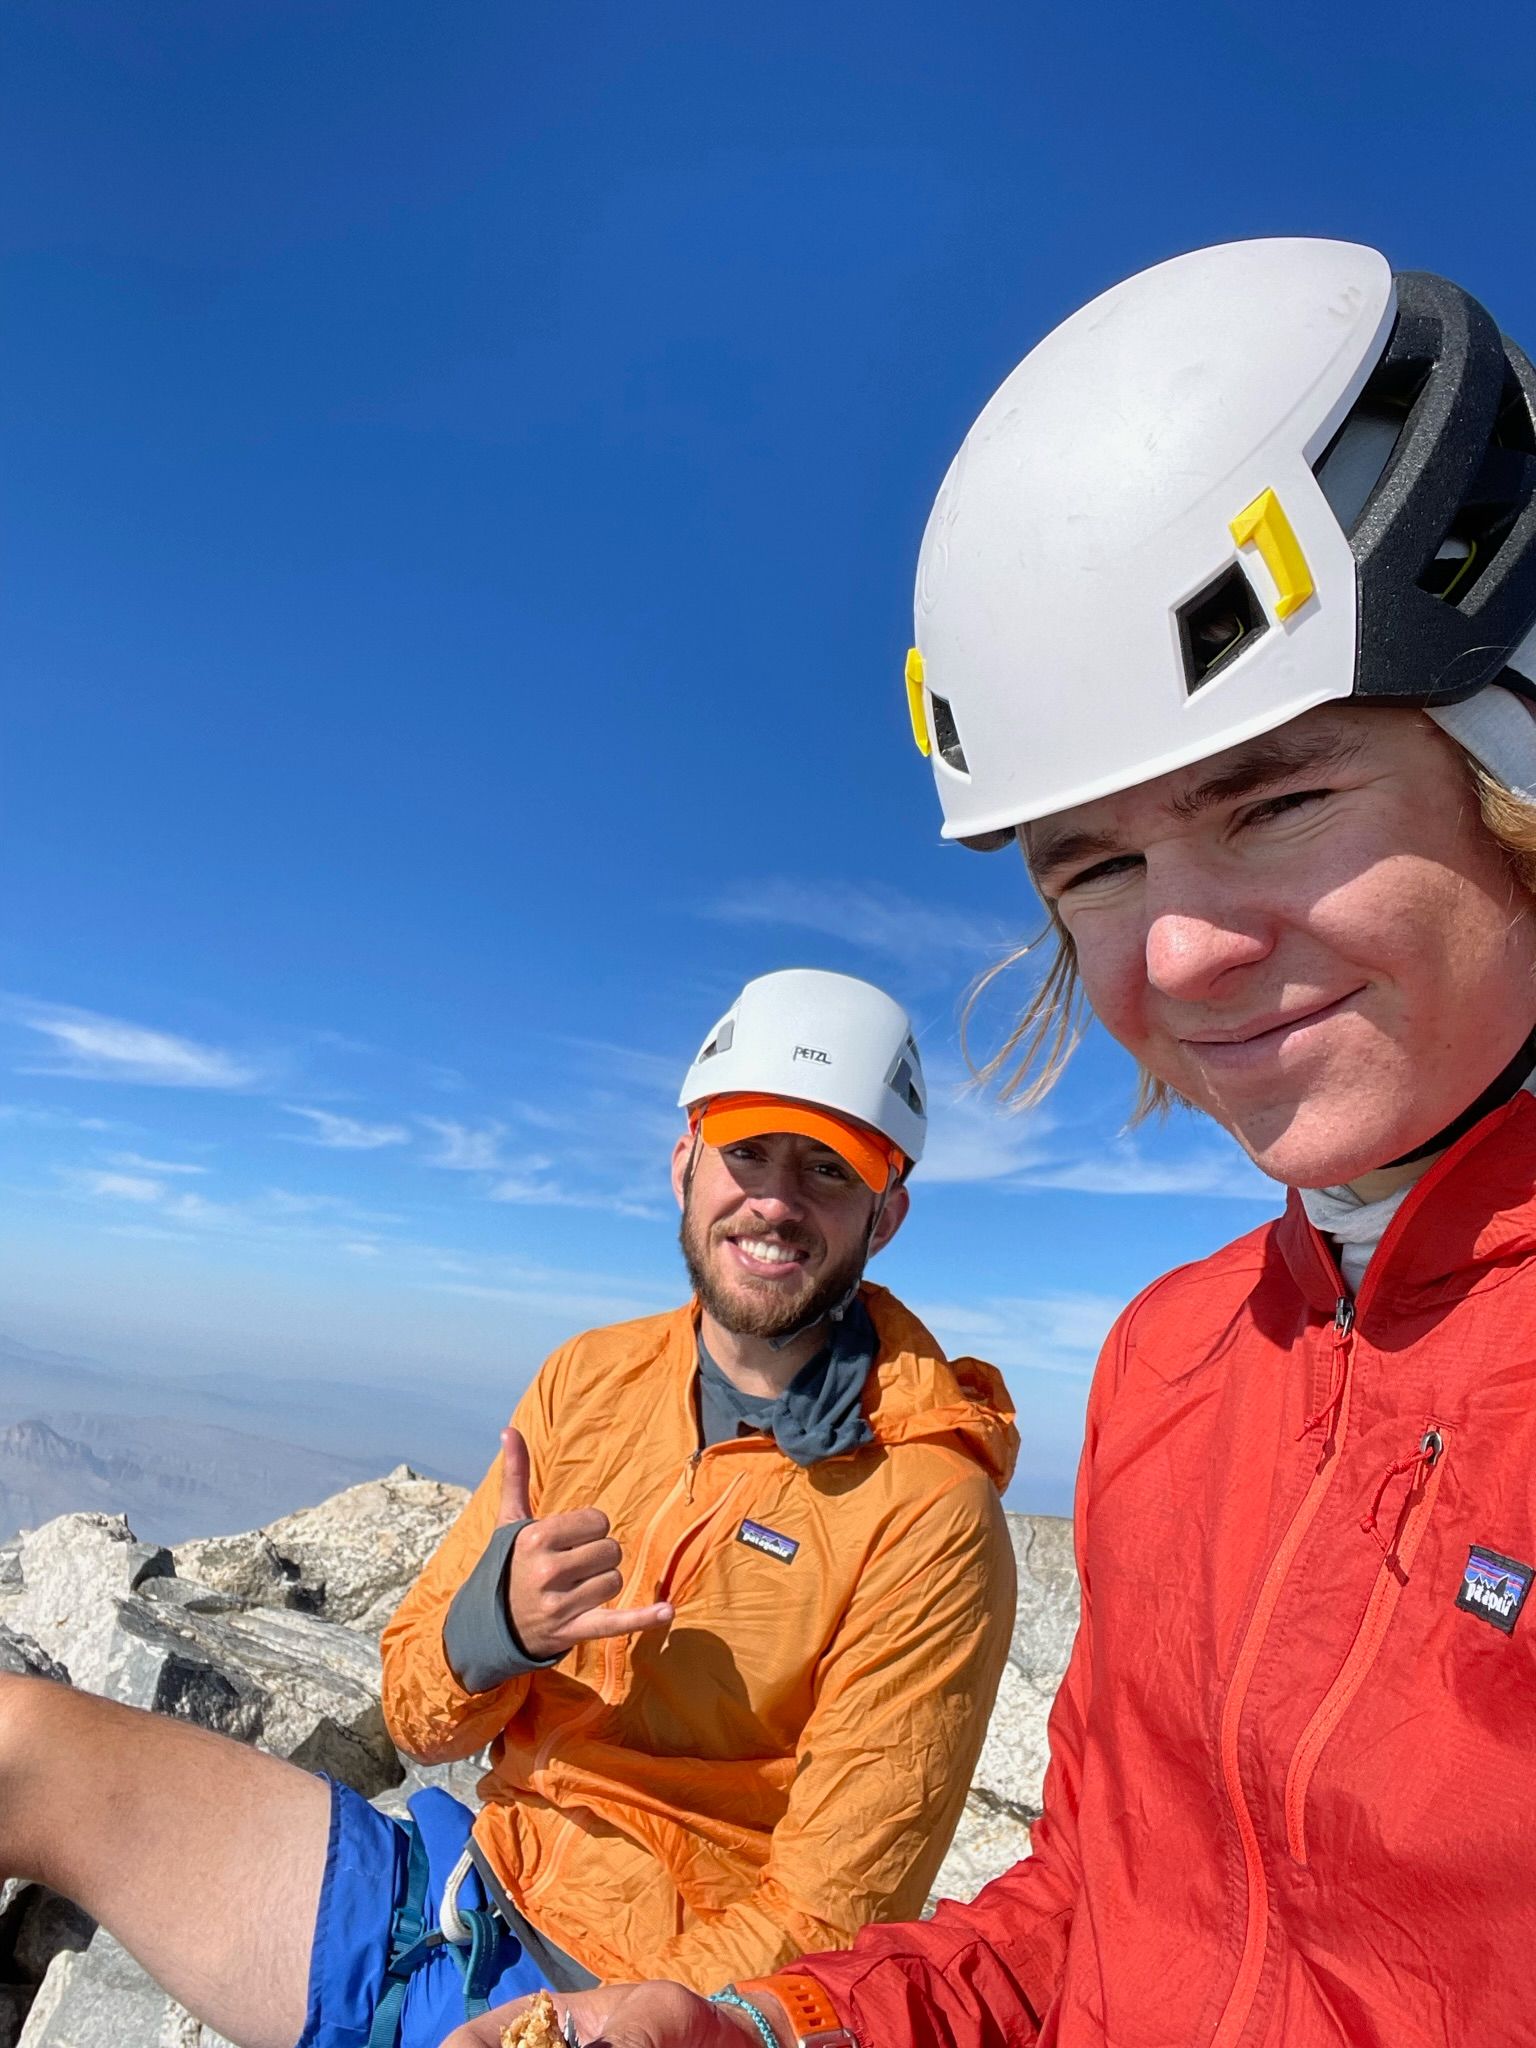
(894, 1214)
(682, 1152)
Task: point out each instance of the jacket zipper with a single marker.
(1353, 1672)
(1245, 1985)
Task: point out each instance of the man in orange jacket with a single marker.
(1227, 617)
(730, 1609)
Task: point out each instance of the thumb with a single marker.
(514, 1505)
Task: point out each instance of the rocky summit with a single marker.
(272, 1637)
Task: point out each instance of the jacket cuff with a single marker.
(479, 1640)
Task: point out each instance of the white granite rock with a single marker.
(303, 1688)
(73, 1571)
(250, 1569)
(366, 1546)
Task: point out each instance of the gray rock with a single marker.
(15, 2002)
(35, 1926)
(989, 1840)
(1006, 1787)
(19, 1654)
(100, 1998)
(250, 1570)
(1011, 1769)
(73, 1570)
(302, 1688)
(459, 1780)
(367, 1546)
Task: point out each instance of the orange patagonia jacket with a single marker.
(789, 1759)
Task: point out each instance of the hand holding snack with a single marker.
(614, 2016)
(539, 2026)
(563, 1569)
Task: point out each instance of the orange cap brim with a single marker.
(730, 1118)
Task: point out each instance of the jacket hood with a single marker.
(915, 1394)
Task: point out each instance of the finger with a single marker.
(559, 1610)
(566, 1570)
(514, 1505)
(599, 1622)
(569, 1531)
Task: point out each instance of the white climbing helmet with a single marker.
(822, 1054)
(1251, 480)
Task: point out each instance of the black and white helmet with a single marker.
(1246, 482)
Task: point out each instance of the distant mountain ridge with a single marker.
(209, 1454)
(173, 1479)
(439, 1428)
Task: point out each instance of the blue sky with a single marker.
(464, 473)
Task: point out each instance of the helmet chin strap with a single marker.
(1504, 1087)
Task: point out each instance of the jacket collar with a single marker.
(1473, 1212)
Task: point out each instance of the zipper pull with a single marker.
(1325, 1417)
(688, 1471)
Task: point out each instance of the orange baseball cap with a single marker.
(726, 1119)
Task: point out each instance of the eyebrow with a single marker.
(1278, 757)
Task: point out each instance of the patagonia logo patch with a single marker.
(768, 1541)
(1494, 1587)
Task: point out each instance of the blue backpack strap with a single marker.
(410, 1945)
(484, 1963)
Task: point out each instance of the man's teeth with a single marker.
(765, 1251)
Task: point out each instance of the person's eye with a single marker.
(1101, 873)
(1283, 806)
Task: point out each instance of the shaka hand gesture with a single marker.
(563, 1569)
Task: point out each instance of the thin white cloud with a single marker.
(344, 1133)
(971, 1140)
(1123, 1168)
(276, 1214)
(1052, 1333)
(625, 1066)
(89, 1047)
(463, 1149)
(905, 928)
(121, 1187)
(57, 1119)
(531, 1186)
(138, 1164)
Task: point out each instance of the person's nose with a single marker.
(777, 1194)
(1195, 939)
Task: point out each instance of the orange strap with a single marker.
(809, 2008)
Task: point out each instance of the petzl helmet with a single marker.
(1252, 480)
(815, 1052)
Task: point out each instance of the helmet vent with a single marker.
(945, 735)
(1216, 624)
(1499, 493)
(721, 1042)
(903, 1083)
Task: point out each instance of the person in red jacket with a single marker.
(1225, 617)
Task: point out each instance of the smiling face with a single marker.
(775, 1229)
(1312, 937)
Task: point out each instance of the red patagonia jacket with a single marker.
(1292, 1792)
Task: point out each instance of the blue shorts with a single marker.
(380, 1974)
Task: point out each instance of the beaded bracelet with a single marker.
(731, 1996)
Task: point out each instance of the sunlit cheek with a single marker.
(1112, 970)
